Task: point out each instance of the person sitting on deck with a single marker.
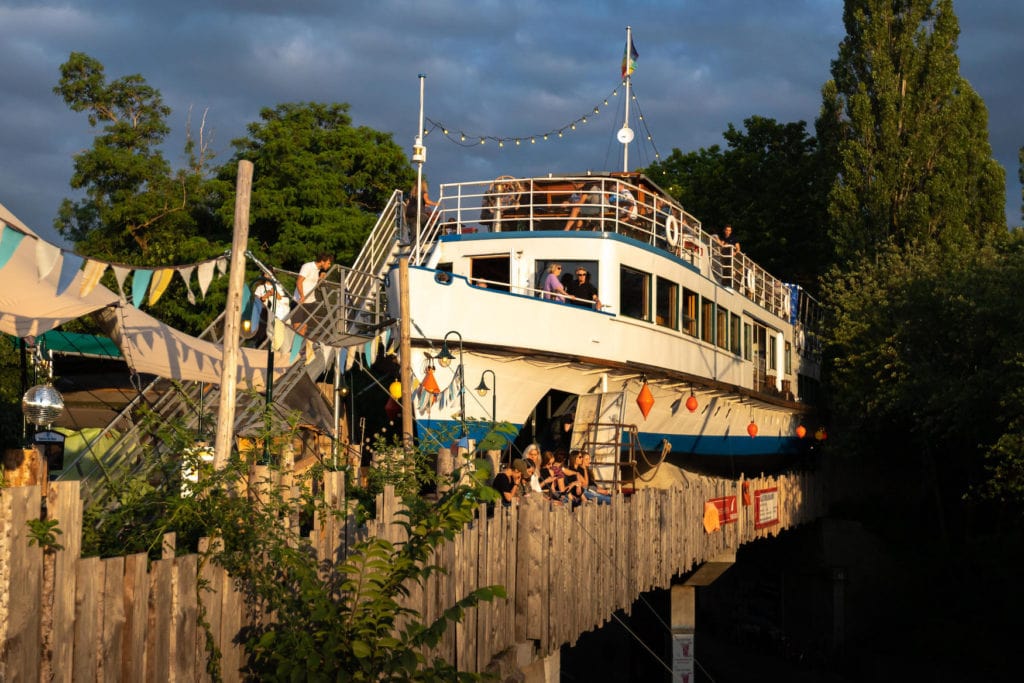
(586, 204)
(532, 456)
(591, 491)
(572, 479)
(551, 484)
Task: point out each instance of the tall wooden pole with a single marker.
(233, 318)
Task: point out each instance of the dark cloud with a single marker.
(494, 69)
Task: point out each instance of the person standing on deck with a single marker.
(552, 288)
(305, 285)
(582, 291)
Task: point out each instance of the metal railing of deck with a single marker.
(601, 204)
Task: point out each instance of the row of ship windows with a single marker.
(681, 309)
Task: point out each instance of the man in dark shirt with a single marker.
(583, 293)
(728, 238)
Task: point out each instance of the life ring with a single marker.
(672, 231)
(504, 192)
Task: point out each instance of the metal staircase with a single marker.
(348, 311)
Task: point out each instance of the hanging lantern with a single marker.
(821, 434)
(691, 403)
(801, 431)
(395, 390)
(752, 429)
(392, 409)
(645, 399)
(429, 383)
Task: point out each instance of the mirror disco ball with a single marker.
(42, 405)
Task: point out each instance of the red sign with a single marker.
(727, 510)
(766, 508)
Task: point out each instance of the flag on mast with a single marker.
(629, 57)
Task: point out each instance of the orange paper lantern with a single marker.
(429, 383)
(752, 429)
(821, 434)
(645, 399)
(801, 431)
(691, 403)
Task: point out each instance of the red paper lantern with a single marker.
(691, 403)
(752, 429)
(429, 383)
(392, 409)
(645, 399)
(801, 431)
(821, 434)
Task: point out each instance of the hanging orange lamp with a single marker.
(821, 434)
(801, 431)
(691, 402)
(429, 384)
(645, 399)
(752, 429)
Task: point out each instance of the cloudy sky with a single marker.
(509, 69)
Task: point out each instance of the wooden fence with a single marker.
(125, 618)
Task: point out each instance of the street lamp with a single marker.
(445, 359)
(482, 389)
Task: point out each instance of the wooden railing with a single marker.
(128, 619)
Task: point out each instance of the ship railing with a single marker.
(536, 292)
(603, 204)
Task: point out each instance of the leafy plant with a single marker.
(44, 532)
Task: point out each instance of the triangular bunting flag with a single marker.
(91, 277)
(68, 270)
(205, 272)
(120, 273)
(385, 339)
(342, 358)
(46, 258)
(9, 241)
(222, 265)
(280, 332)
(159, 286)
(351, 360)
(296, 346)
(140, 284)
(186, 275)
(310, 352)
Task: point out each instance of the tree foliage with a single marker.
(768, 185)
(913, 159)
(135, 208)
(318, 183)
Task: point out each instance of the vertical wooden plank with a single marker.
(158, 636)
(112, 644)
(88, 588)
(187, 612)
(64, 505)
(136, 613)
(484, 577)
(23, 646)
(232, 618)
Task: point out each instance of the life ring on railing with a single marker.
(672, 231)
(504, 192)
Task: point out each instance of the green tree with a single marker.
(319, 183)
(914, 161)
(768, 185)
(135, 208)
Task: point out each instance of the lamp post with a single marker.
(445, 359)
(482, 389)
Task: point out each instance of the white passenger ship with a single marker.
(723, 356)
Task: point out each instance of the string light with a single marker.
(469, 140)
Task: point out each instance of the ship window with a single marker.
(734, 334)
(490, 271)
(667, 309)
(789, 358)
(748, 341)
(690, 312)
(773, 360)
(722, 328)
(634, 293)
(707, 320)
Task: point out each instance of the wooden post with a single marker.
(233, 318)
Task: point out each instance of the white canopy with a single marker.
(30, 305)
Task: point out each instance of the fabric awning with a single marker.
(30, 305)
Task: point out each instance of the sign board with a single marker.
(728, 513)
(766, 507)
(682, 657)
(52, 446)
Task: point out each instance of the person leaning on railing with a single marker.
(582, 291)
